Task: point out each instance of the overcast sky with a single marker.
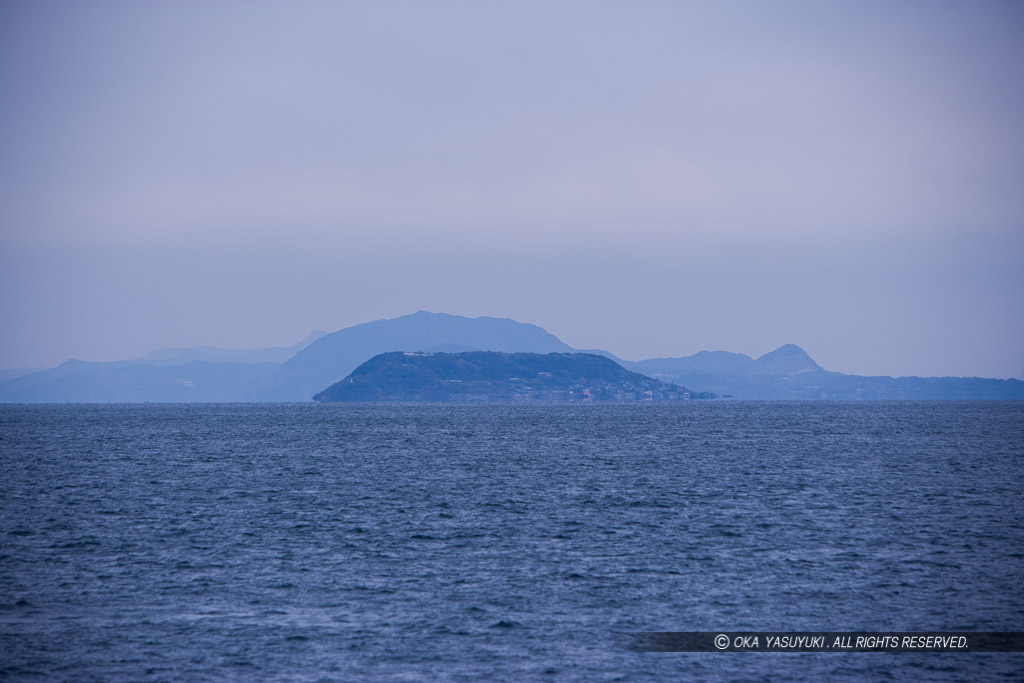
(653, 178)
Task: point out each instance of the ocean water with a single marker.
(305, 542)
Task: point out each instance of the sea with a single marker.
(318, 542)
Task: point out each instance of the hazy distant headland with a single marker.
(206, 374)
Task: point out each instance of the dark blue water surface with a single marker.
(514, 542)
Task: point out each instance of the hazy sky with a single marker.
(653, 178)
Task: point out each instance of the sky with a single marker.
(650, 178)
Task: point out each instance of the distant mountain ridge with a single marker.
(77, 381)
(789, 373)
(215, 354)
(207, 374)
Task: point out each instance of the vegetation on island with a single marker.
(495, 376)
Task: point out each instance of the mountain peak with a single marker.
(788, 359)
(787, 350)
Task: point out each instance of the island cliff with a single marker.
(494, 376)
